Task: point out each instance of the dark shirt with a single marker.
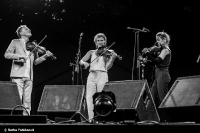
(166, 62)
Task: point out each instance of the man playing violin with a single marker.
(99, 67)
(22, 65)
(162, 62)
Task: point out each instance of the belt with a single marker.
(97, 71)
(162, 67)
(19, 77)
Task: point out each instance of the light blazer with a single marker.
(14, 51)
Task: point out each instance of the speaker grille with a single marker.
(181, 104)
(61, 98)
(126, 92)
(184, 92)
(133, 100)
(9, 95)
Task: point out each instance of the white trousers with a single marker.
(25, 89)
(95, 83)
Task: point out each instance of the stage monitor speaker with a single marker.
(134, 101)
(181, 104)
(63, 101)
(9, 97)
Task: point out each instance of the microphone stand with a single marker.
(78, 56)
(73, 65)
(77, 68)
(137, 31)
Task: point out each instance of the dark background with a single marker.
(64, 20)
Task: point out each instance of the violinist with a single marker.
(22, 65)
(98, 76)
(162, 77)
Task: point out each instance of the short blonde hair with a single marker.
(163, 35)
(98, 36)
(19, 29)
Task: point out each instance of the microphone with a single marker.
(141, 30)
(145, 29)
(133, 29)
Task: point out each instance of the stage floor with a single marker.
(100, 127)
(10, 123)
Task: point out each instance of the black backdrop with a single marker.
(63, 21)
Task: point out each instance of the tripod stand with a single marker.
(80, 114)
(83, 104)
(77, 69)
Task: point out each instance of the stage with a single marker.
(107, 127)
(135, 109)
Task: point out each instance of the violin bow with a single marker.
(42, 40)
(37, 45)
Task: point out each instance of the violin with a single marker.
(104, 51)
(31, 46)
(152, 50)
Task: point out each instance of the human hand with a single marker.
(144, 60)
(48, 53)
(23, 58)
(145, 50)
(114, 54)
(86, 65)
(140, 58)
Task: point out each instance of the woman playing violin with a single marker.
(99, 66)
(22, 65)
(162, 62)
